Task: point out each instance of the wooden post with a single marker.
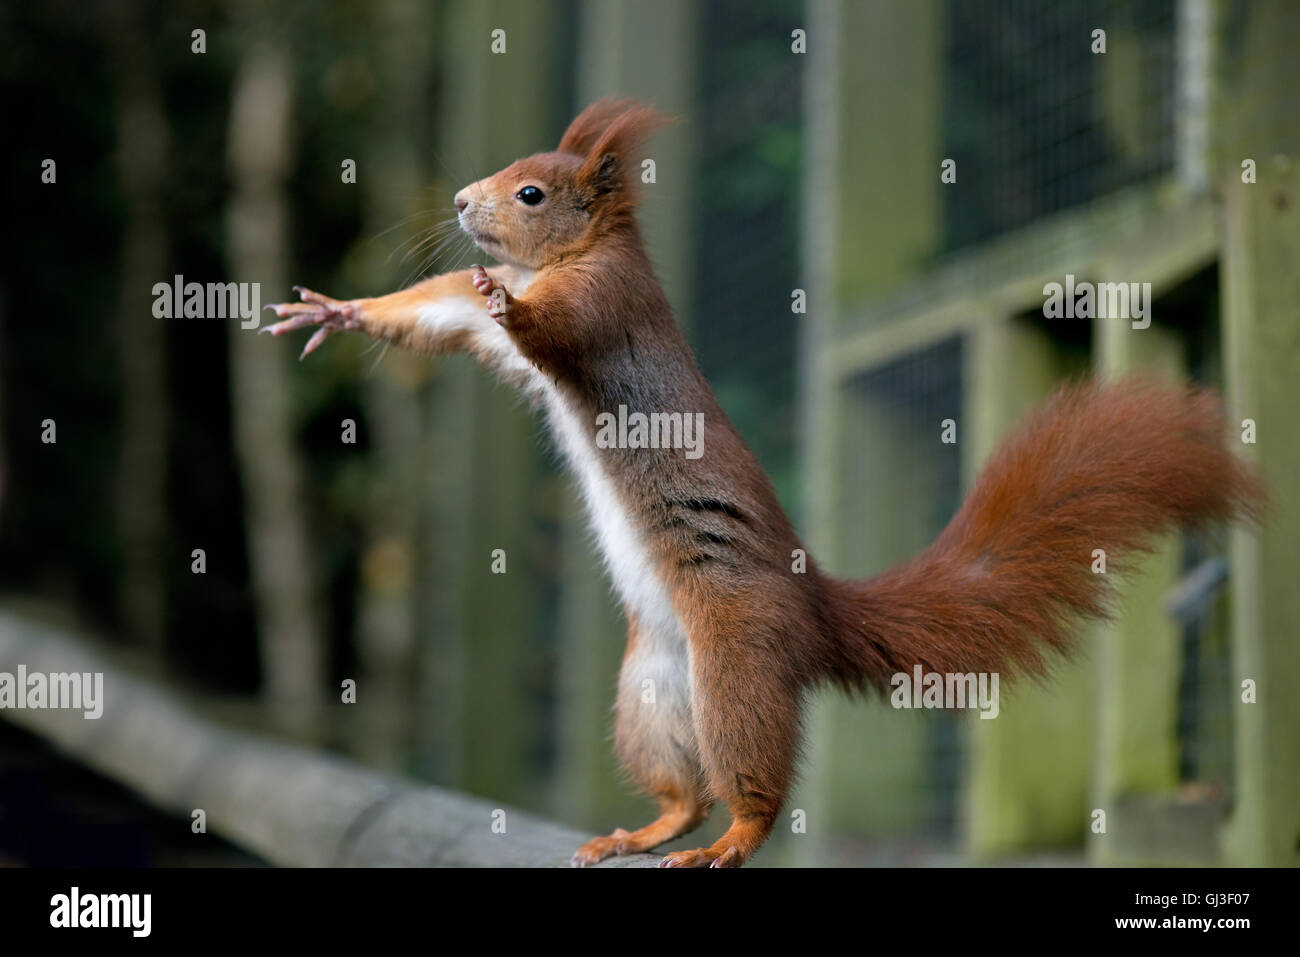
(1256, 119)
(1261, 327)
(865, 763)
(1028, 771)
(819, 391)
(1138, 654)
(646, 49)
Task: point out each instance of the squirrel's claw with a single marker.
(481, 280)
(319, 336)
(306, 295)
(704, 857)
(599, 848)
(296, 315)
(499, 299)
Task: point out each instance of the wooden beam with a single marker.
(290, 805)
(1155, 233)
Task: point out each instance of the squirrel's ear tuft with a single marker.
(587, 126)
(610, 157)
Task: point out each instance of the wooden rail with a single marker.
(290, 805)
(1155, 231)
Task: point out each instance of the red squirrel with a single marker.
(699, 549)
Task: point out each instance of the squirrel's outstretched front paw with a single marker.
(326, 314)
(499, 301)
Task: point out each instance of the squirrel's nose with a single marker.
(461, 202)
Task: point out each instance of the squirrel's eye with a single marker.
(530, 195)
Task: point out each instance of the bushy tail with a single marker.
(1097, 467)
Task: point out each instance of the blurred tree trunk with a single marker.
(280, 554)
(443, 660)
(142, 148)
(494, 109)
(391, 174)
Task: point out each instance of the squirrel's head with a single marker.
(549, 206)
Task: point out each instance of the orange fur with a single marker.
(1096, 467)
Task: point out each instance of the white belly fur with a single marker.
(662, 653)
(654, 682)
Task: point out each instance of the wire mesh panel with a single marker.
(907, 486)
(1063, 132)
(1041, 117)
(748, 122)
(1043, 120)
